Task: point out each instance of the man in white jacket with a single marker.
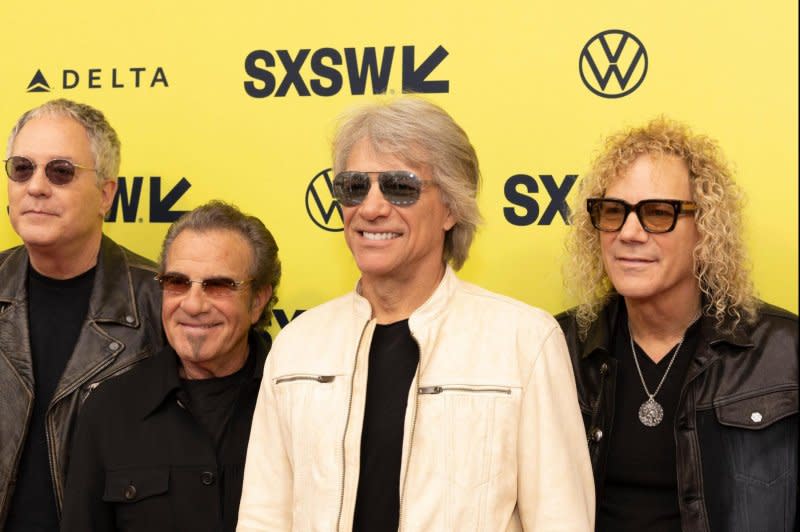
(418, 401)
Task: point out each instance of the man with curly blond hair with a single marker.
(688, 383)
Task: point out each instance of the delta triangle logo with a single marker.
(38, 83)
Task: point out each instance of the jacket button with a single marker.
(113, 346)
(207, 478)
(130, 492)
(756, 417)
(596, 434)
(603, 368)
(129, 319)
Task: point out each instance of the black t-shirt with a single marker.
(211, 401)
(56, 312)
(641, 491)
(393, 360)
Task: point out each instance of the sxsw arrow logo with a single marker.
(416, 79)
(328, 71)
(38, 83)
(127, 200)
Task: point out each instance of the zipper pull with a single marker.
(430, 390)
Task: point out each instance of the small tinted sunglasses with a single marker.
(399, 187)
(179, 284)
(58, 171)
(655, 215)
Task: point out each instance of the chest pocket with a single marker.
(473, 428)
(314, 407)
(139, 497)
(764, 449)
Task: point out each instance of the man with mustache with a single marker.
(75, 307)
(163, 446)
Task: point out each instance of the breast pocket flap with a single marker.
(758, 412)
(133, 485)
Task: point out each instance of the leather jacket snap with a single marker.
(736, 427)
(122, 327)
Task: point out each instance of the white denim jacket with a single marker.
(493, 437)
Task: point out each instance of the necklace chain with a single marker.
(669, 366)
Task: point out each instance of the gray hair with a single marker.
(103, 139)
(422, 134)
(218, 215)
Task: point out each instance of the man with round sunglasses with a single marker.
(75, 307)
(688, 383)
(162, 447)
(418, 401)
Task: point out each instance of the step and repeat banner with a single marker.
(238, 100)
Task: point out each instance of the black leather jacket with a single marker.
(122, 327)
(736, 428)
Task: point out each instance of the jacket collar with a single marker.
(112, 298)
(161, 371)
(426, 312)
(599, 335)
(14, 272)
(111, 301)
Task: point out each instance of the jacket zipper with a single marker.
(410, 444)
(347, 422)
(317, 378)
(89, 389)
(6, 499)
(433, 390)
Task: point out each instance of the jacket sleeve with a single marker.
(555, 483)
(267, 490)
(84, 509)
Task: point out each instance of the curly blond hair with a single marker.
(721, 263)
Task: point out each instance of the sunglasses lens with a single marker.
(219, 286)
(400, 187)
(59, 171)
(607, 215)
(19, 169)
(658, 216)
(350, 188)
(174, 284)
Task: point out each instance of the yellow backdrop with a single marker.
(237, 101)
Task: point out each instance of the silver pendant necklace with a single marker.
(651, 413)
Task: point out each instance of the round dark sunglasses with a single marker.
(399, 187)
(58, 171)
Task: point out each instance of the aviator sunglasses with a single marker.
(58, 171)
(179, 284)
(399, 187)
(655, 215)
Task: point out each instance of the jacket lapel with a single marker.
(14, 341)
(111, 303)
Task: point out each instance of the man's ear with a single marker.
(108, 190)
(260, 299)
